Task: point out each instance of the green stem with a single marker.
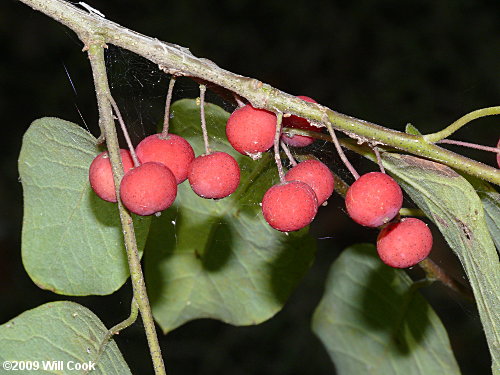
(435, 273)
(446, 132)
(411, 212)
(134, 312)
(106, 122)
(177, 60)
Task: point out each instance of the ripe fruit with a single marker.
(404, 244)
(215, 175)
(174, 152)
(289, 206)
(374, 199)
(315, 174)
(251, 131)
(299, 123)
(148, 189)
(101, 175)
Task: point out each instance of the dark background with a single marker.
(424, 62)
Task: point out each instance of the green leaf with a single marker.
(491, 204)
(410, 129)
(372, 321)
(220, 259)
(72, 241)
(60, 331)
(453, 205)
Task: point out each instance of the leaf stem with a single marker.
(464, 120)
(106, 121)
(115, 330)
(470, 145)
(412, 212)
(435, 273)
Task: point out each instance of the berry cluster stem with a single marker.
(341, 153)
(288, 154)
(168, 101)
(379, 159)
(95, 46)
(277, 136)
(124, 130)
(203, 89)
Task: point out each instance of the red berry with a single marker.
(404, 244)
(174, 152)
(315, 174)
(374, 199)
(214, 176)
(299, 123)
(101, 175)
(289, 206)
(251, 131)
(148, 189)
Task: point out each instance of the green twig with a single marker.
(106, 121)
(449, 130)
(115, 330)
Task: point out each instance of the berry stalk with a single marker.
(168, 101)
(279, 119)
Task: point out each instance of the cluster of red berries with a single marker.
(293, 203)
(150, 186)
(165, 162)
(375, 199)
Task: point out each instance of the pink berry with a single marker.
(289, 206)
(315, 174)
(404, 244)
(374, 199)
(299, 123)
(214, 176)
(148, 189)
(101, 175)
(174, 152)
(251, 131)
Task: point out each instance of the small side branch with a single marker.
(464, 120)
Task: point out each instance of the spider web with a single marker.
(139, 87)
